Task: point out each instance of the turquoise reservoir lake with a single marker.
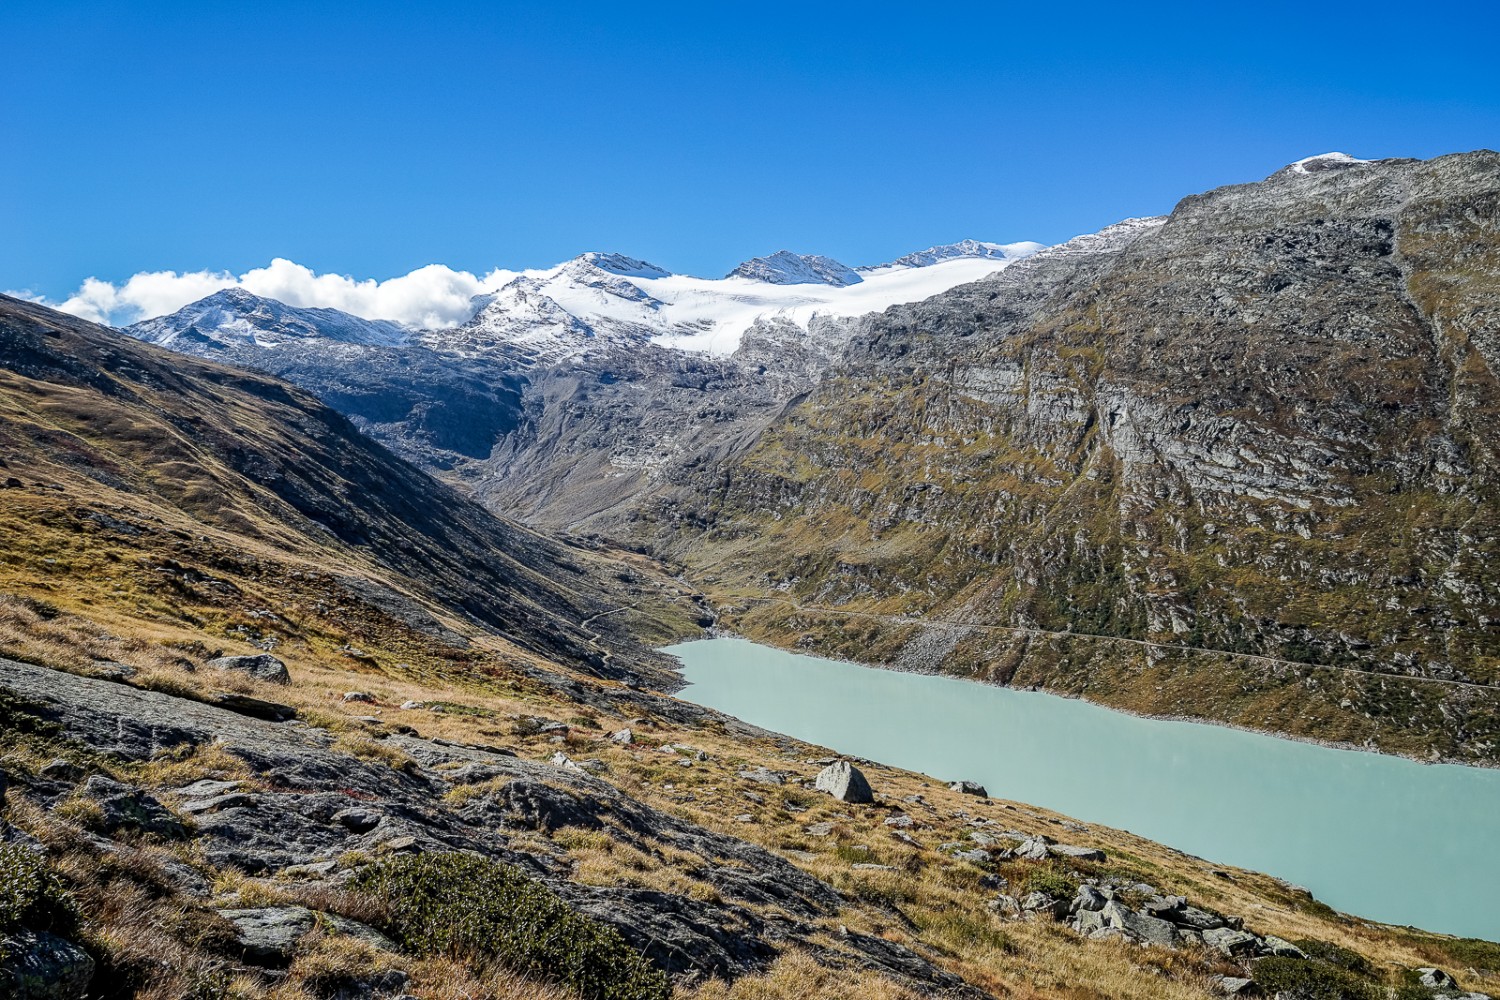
(1381, 837)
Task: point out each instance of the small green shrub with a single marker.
(1298, 979)
(473, 909)
(1335, 955)
(1051, 881)
(32, 895)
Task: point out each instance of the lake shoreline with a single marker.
(718, 632)
(1340, 823)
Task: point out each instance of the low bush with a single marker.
(470, 908)
(1300, 979)
(32, 895)
(1051, 881)
(1333, 954)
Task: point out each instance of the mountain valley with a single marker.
(331, 649)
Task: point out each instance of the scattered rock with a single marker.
(764, 775)
(1005, 905)
(1034, 849)
(1044, 905)
(1138, 926)
(1088, 898)
(1231, 942)
(970, 788)
(902, 821)
(844, 782)
(1076, 853)
(360, 696)
(1234, 986)
(35, 965)
(1089, 922)
(1200, 920)
(824, 829)
(263, 667)
(624, 737)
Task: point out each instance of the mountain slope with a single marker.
(105, 426)
(1263, 427)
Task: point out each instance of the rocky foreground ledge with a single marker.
(257, 837)
(311, 807)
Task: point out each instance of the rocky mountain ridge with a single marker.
(1260, 427)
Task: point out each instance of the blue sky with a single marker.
(371, 140)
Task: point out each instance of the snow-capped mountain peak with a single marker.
(235, 317)
(787, 268)
(625, 267)
(1323, 162)
(963, 249)
(597, 300)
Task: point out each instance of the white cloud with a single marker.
(431, 296)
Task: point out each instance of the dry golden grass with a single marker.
(798, 974)
(106, 605)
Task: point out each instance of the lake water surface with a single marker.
(1377, 836)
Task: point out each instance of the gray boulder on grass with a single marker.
(844, 782)
(970, 788)
(263, 667)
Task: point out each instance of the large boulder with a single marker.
(268, 935)
(1088, 898)
(1034, 849)
(35, 965)
(1436, 979)
(969, 788)
(1042, 904)
(1231, 942)
(1139, 926)
(263, 667)
(844, 782)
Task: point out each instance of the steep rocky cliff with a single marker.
(1262, 426)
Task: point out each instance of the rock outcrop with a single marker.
(313, 806)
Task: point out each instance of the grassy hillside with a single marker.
(158, 512)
